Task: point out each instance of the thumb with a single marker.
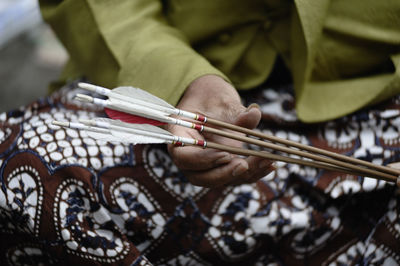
(250, 117)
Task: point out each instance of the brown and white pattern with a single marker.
(66, 198)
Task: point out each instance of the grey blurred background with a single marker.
(30, 55)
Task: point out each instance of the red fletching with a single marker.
(133, 119)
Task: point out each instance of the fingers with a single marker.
(238, 171)
(239, 115)
(249, 118)
(218, 176)
(258, 168)
(212, 168)
(214, 97)
(197, 159)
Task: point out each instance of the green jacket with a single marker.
(343, 54)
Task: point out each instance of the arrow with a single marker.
(117, 131)
(117, 128)
(147, 103)
(162, 117)
(142, 98)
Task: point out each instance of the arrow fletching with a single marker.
(111, 135)
(131, 95)
(127, 112)
(141, 95)
(130, 118)
(142, 127)
(142, 134)
(93, 132)
(143, 130)
(142, 98)
(107, 137)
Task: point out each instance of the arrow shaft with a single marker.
(301, 153)
(346, 164)
(315, 164)
(303, 147)
(106, 129)
(326, 163)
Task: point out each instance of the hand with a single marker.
(213, 97)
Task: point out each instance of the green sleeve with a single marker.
(126, 42)
(345, 55)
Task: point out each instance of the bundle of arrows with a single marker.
(136, 116)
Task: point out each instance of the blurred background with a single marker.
(30, 55)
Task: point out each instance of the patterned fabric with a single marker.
(66, 198)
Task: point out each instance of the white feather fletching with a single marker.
(118, 136)
(102, 136)
(144, 127)
(135, 138)
(139, 94)
(139, 110)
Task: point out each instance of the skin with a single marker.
(212, 96)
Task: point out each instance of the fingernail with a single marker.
(225, 158)
(265, 164)
(251, 106)
(240, 169)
